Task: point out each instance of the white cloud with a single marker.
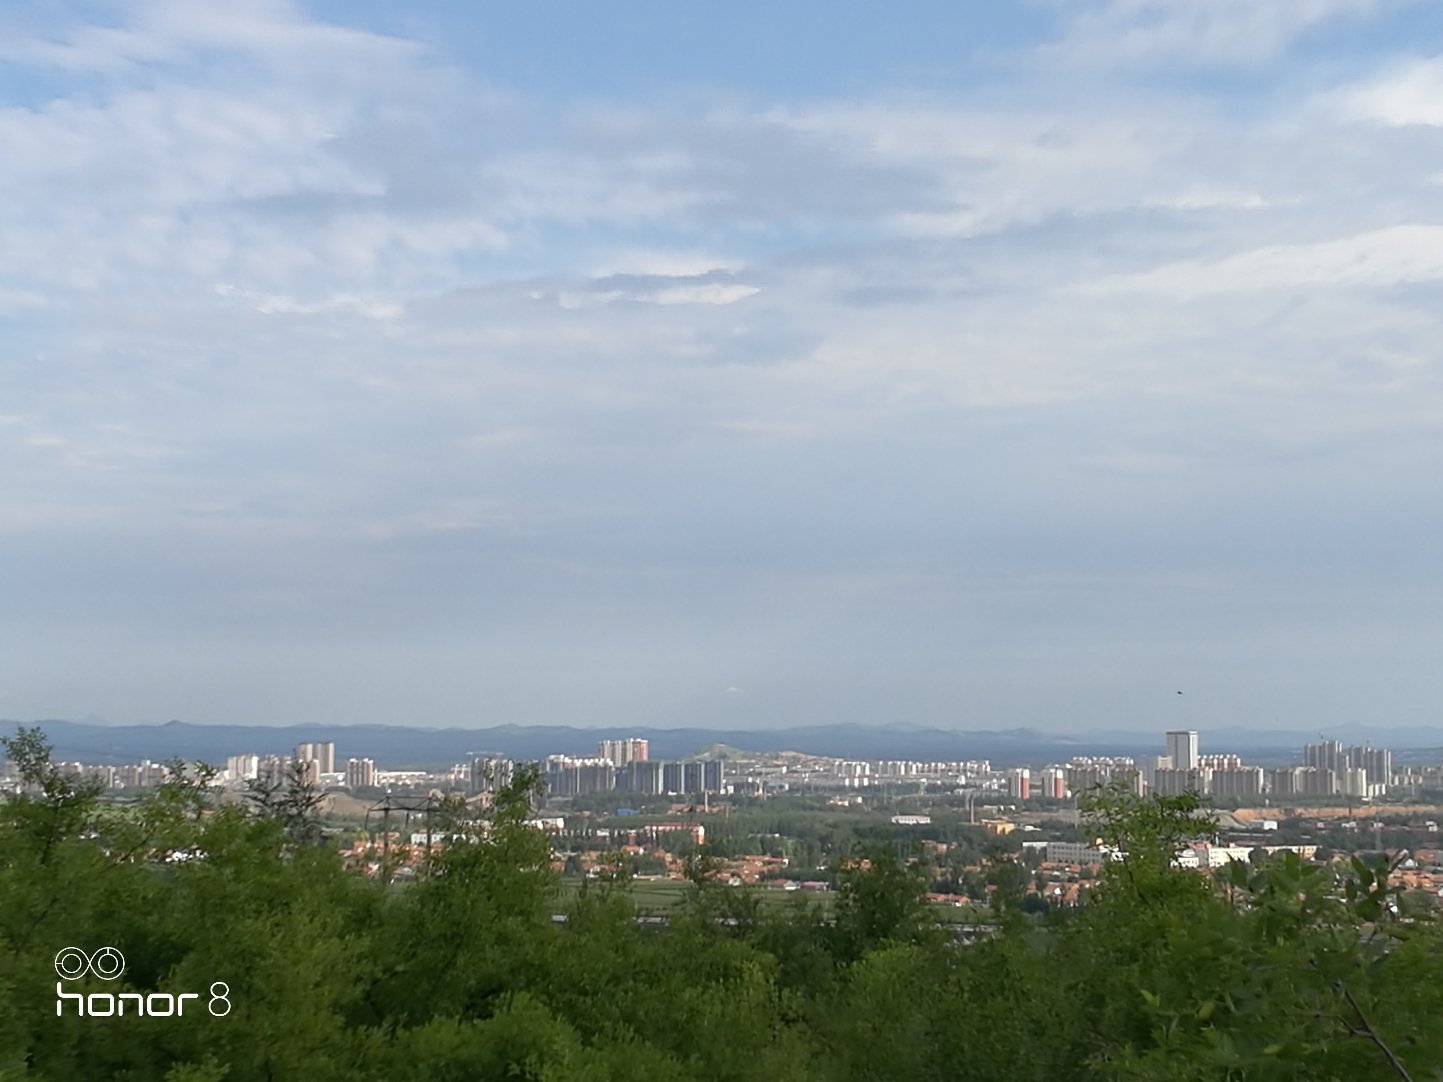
(1152, 32)
(704, 293)
(1020, 324)
(575, 189)
(171, 31)
(711, 287)
(250, 155)
(276, 304)
(1379, 258)
(661, 262)
(991, 168)
(18, 300)
(1406, 94)
(1204, 197)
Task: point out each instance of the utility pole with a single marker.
(407, 805)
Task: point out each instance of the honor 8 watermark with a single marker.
(107, 964)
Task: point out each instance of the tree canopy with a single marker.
(1274, 969)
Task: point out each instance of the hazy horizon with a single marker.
(1219, 738)
(957, 366)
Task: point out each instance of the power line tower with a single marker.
(409, 806)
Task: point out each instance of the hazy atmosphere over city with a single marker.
(749, 365)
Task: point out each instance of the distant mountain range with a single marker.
(398, 747)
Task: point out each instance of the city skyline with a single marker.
(967, 366)
(1327, 771)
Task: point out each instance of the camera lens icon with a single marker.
(71, 963)
(107, 963)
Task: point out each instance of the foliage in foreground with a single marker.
(1281, 970)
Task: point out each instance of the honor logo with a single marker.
(107, 963)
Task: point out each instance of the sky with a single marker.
(750, 365)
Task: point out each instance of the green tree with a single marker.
(881, 899)
(292, 799)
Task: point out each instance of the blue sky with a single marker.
(960, 365)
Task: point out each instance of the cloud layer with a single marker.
(342, 380)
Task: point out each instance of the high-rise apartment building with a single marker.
(1174, 781)
(1238, 781)
(490, 773)
(1325, 755)
(1148, 767)
(1378, 762)
(242, 767)
(1019, 783)
(622, 752)
(142, 774)
(1317, 781)
(273, 769)
(1284, 781)
(692, 781)
(694, 778)
(568, 776)
(1221, 762)
(360, 773)
(644, 776)
(1182, 749)
(1353, 782)
(673, 778)
(1054, 783)
(1082, 778)
(322, 753)
(595, 777)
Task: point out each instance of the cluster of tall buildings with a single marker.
(1050, 782)
(317, 761)
(623, 765)
(322, 754)
(770, 775)
(624, 752)
(141, 775)
(1328, 770)
(617, 765)
(360, 773)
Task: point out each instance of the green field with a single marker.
(664, 895)
(657, 896)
